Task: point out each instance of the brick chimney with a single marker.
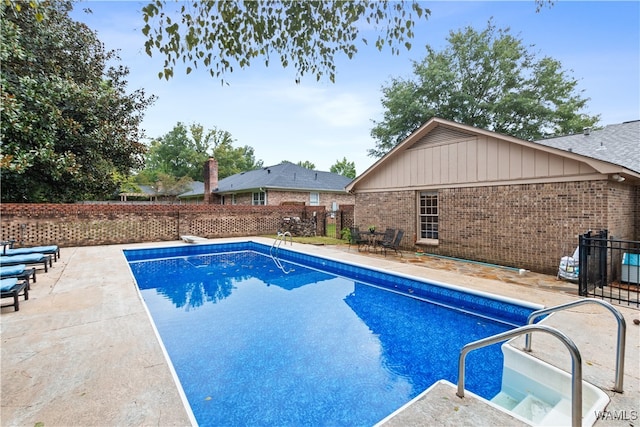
(210, 178)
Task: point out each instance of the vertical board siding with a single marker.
(434, 161)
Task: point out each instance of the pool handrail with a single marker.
(276, 245)
(576, 363)
(622, 331)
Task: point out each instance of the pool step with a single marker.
(535, 410)
(505, 401)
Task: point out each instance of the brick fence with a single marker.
(103, 224)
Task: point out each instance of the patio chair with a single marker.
(356, 238)
(393, 245)
(388, 236)
(13, 288)
(9, 250)
(19, 271)
(27, 259)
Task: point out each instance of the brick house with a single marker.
(470, 193)
(281, 184)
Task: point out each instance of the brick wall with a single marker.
(623, 211)
(391, 209)
(87, 225)
(636, 214)
(525, 226)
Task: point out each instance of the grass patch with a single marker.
(313, 240)
(331, 229)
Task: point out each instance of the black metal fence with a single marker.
(609, 268)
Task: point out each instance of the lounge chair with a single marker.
(8, 249)
(27, 259)
(395, 245)
(12, 288)
(19, 271)
(356, 238)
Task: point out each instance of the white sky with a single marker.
(322, 122)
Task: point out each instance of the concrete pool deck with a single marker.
(82, 350)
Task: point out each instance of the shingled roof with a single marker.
(618, 144)
(285, 176)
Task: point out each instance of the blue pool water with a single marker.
(328, 343)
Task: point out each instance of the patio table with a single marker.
(373, 239)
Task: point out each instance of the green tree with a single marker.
(306, 164)
(168, 185)
(487, 79)
(69, 130)
(233, 160)
(223, 35)
(175, 154)
(183, 151)
(344, 168)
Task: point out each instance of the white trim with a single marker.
(551, 180)
(428, 242)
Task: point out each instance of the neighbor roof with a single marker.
(285, 176)
(197, 189)
(618, 144)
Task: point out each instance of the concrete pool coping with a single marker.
(82, 350)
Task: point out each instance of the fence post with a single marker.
(583, 264)
(602, 257)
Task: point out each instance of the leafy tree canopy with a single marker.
(344, 168)
(306, 164)
(487, 79)
(183, 151)
(68, 129)
(223, 35)
(168, 185)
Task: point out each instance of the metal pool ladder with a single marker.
(275, 247)
(576, 358)
(622, 332)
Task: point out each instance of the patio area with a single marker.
(82, 350)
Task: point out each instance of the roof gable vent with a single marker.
(441, 135)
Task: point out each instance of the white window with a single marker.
(259, 198)
(428, 215)
(233, 199)
(314, 199)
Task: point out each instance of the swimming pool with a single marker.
(329, 343)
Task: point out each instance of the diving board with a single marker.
(193, 239)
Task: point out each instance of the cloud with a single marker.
(332, 106)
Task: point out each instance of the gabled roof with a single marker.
(622, 138)
(618, 144)
(285, 176)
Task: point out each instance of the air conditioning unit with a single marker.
(631, 268)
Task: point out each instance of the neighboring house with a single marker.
(470, 193)
(285, 183)
(147, 192)
(194, 195)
